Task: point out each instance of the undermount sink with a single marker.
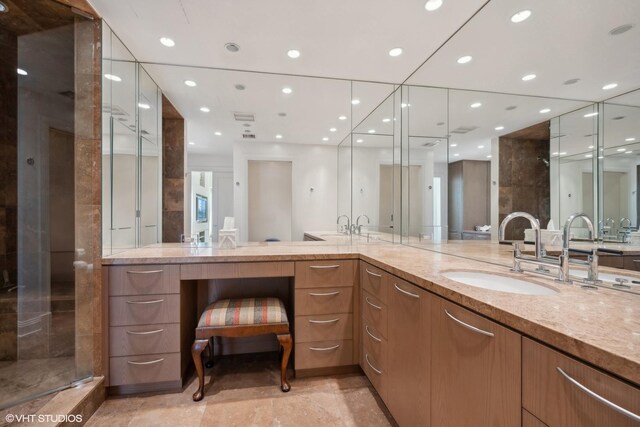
(497, 282)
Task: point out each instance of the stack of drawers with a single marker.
(374, 283)
(144, 325)
(324, 336)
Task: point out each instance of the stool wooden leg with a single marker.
(286, 343)
(196, 352)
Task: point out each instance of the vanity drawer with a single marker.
(324, 327)
(374, 280)
(144, 309)
(144, 339)
(332, 273)
(323, 301)
(374, 312)
(376, 374)
(375, 346)
(324, 354)
(144, 279)
(152, 368)
(557, 401)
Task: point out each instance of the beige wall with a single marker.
(270, 194)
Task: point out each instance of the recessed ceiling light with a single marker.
(480, 146)
(217, 133)
(521, 16)
(287, 90)
(610, 86)
(476, 105)
(432, 5)
(3, 8)
(555, 154)
(489, 156)
(342, 118)
(278, 136)
(22, 72)
(528, 77)
(111, 77)
(396, 51)
(571, 81)
(192, 143)
(464, 59)
(232, 47)
(190, 83)
(456, 155)
(332, 130)
(386, 120)
(204, 109)
(563, 153)
(588, 156)
(167, 42)
(371, 131)
(545, 110)
(595, 113)
(325, 139)
(240, 86)
(293, 53)
(144, 106)
(621, 29)
(591, 147)
(453, 145)
(621, 150)
(630, 139)
(499, 127)
(355, 101)
(359, 141)
(601, 157)
(628, 152)
(404, 105)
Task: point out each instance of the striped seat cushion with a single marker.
(243, 311)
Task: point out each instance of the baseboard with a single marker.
(333, 370)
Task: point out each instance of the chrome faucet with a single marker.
(539, 259)
(565, 258)
(358, 226)
(347, 229)
(625, 230)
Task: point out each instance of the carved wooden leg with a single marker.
(209, 363)
(196, 352)
(286, 343)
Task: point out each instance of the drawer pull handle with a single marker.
(150, 362)
(372, 273)
(406, 293)
(468, 326)
(323, 321)
(155, 301)
(323, 294)
(599, 398)
(324, 267)
(372, 304)
(144, 271)
(377, 371)
(157, 331)
(371, 335)
(324, 348)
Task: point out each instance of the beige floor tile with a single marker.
(308, 409)
(242, 413)
(363, 407)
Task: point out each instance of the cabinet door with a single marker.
(475, 369)
(408, 354)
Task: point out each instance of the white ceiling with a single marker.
(350, 40)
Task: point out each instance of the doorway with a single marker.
(270, 205)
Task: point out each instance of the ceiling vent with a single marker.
(248, 136)
(431, 144)
(244, 117)
(617, 118)
(461, 130)
(114, 110)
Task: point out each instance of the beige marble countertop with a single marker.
(599, 326)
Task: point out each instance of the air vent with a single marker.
(244, 117)
(511, 108)
(461, 130)
(248, 136)
(144, 132)
(114, 110)
(431, 144)
(617, 118)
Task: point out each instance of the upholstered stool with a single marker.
(242, 317)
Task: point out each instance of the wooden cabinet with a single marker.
(563, 392)
(326, 335)
(408, 354)
(475, 369)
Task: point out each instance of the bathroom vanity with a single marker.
(433, 348)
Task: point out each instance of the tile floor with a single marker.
(246, 392)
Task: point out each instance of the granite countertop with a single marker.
(599, 326)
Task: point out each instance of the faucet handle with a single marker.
(621, 283)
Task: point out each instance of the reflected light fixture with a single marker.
(499, 127)
(595, 113)
(204, 109)
(630, 139)
(481, 146)
(464, 59)
(332, 130)
(112, 77)
(342, 118)
(432, 5)
(192, 143)
(453, 145)
(144, 106)
(166, 41)
(489, 156)
(287, 90)
(610, 86)
(620, 150)
(217, 133)
(386, 120)
(190, 83)
(293, 54)
(396, 51)
(476, 105)
(528, 77)
(456, 155)
(355, 101)
(278, 136)
(545, 110)
(22, 72)
(371, 131)
(325, 139)
(359, 141)
(520, 16)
